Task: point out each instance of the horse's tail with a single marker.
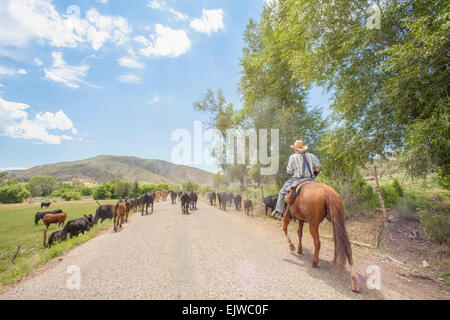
(336, 213)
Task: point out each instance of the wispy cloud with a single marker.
(14, 123)
(210, 21)
(60, 72)
(5, 71)
(129, 78)
(129, 62)
(162, 6)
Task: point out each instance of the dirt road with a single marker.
(209, 254)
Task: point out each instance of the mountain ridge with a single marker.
(106, 167)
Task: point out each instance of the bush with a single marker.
(396, 185)
(436, 224)
(71, 195)
(86, 191)
(406, 208)
(15, 193)
(390, 195)
(102, 192)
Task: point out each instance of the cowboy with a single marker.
(301, 165)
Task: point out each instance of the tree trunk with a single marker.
(383, 208)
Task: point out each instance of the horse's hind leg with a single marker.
(300, 233)
(314, 231)
(286, 220)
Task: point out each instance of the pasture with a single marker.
(17, 229)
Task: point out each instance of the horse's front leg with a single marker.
(314, 231)
(286, 220)
(300, 233)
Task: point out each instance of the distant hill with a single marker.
(104, 168)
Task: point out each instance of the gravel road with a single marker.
(209, 254)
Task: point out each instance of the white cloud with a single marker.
(38, 62)
(166, 42)
(162, 6)
(5, 71)
(60, 72)
(1, 85)
(24, 20)
(155, 99)
(211, 21)
(103, 1)
(14, 123)
(129, 78)
(129, 62)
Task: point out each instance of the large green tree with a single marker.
(390, 84)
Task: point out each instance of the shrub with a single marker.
(71, 195)
(390, 195)
(86, 191)
(436, 224)
(102, 192)
(15, 193)
(406, 208)
(396, 185)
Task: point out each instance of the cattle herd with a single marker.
(119, 212)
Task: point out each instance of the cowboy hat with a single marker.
(299, 146)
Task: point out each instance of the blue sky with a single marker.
(84, 78)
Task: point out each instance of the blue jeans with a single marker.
(280, 201)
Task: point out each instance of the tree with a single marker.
(41, 185)
(190, 186)
(123, 189)
(102, 192)
(14, 193)
(390, 85)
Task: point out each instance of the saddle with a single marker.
(297, 186)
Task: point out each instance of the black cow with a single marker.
(77, 226)
(237, 198)
(40, 215)
(45, 204)
(103, 212)
(185, 201)
(212, 198)
(229, 198)
(270, 202)
(147, 201)
(173, 197)
(248, 205)
(222, 196)
(193, 200)
(56, 236)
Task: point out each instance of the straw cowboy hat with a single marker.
(299, 146)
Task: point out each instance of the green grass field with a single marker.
(17, 228)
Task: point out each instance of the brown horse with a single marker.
(316, 202)
(119, 213)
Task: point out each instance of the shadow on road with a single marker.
(333, 276)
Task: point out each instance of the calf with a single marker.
(56, 236)
(194, 198)
(103, 212)
(270, 202)
(173, 197)
(222, 200)
(147, 200)
(248, 205)
(229, 196)
(45, 204)
(237, 198)
(185, 201)
(120, 211)
(40, 215)
(212, 198)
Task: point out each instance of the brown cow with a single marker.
(58, 218)
(165, 193)
(158, 196)
(119, 213)
(48, 219)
